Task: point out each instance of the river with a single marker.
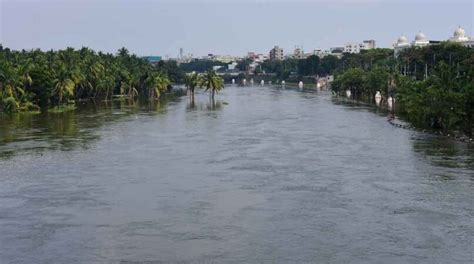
(266, 175)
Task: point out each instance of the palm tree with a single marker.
(191, 81)
(211, 81)
(131, 85)
(63, 84)
(10, 80)
(156, 83)
(122, 52)
(24, 70)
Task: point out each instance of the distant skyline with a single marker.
(227, 27)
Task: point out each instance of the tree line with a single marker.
(433, 85)
(30, 80)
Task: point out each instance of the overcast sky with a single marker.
(225, 26)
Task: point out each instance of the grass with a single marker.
(62, 108)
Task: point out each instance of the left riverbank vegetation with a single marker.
(54, 80)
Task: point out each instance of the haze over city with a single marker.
(223, 27)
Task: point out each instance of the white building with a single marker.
(321, 53)
(402, 44)
(420, 40)
(224, 58)
(367, 44)
(351, 48)
(259, 58)
(216, 68)
(232, 66)
(459, 36)
(357, 47)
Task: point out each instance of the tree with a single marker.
(191, 81)
(53, 77)
(211, 81)
(243, 65)
(353, 79)
(376, 80)
(63, 84)
(156, 83)
(308, 66)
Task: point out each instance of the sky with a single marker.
(161, 27)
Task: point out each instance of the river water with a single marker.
(266, 175)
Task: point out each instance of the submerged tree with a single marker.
(211, 82)
(156, 83)
(191, 81)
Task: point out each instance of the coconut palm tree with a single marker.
(156, 83)
(211, 81)
(191, 81)
(63, 84)
(10, 80)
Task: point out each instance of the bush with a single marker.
(10, 105)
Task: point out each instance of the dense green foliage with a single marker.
(29, 79)
(281, 68)
(311, 66)
(434, 85)
(172, 69)
(200, 65)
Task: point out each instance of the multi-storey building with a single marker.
(276, 53)
(298, 53)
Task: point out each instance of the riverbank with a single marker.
(399, 120)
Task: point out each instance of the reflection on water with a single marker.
(445, 152)
(378, 109)
(25, 132)
(261, 175)
(439, 151)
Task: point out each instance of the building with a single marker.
(357, 47)
(298, 53)
(216, 68)
(420, 40)
(153, 59)
(469, 43)
(259, 58)
(336, 51)
(401, 44)
(251, 55)
(351, 48)
(224, 58)
(321, 53)
(276, 53)
(459, 36)
(231, 66)
(367, 44)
